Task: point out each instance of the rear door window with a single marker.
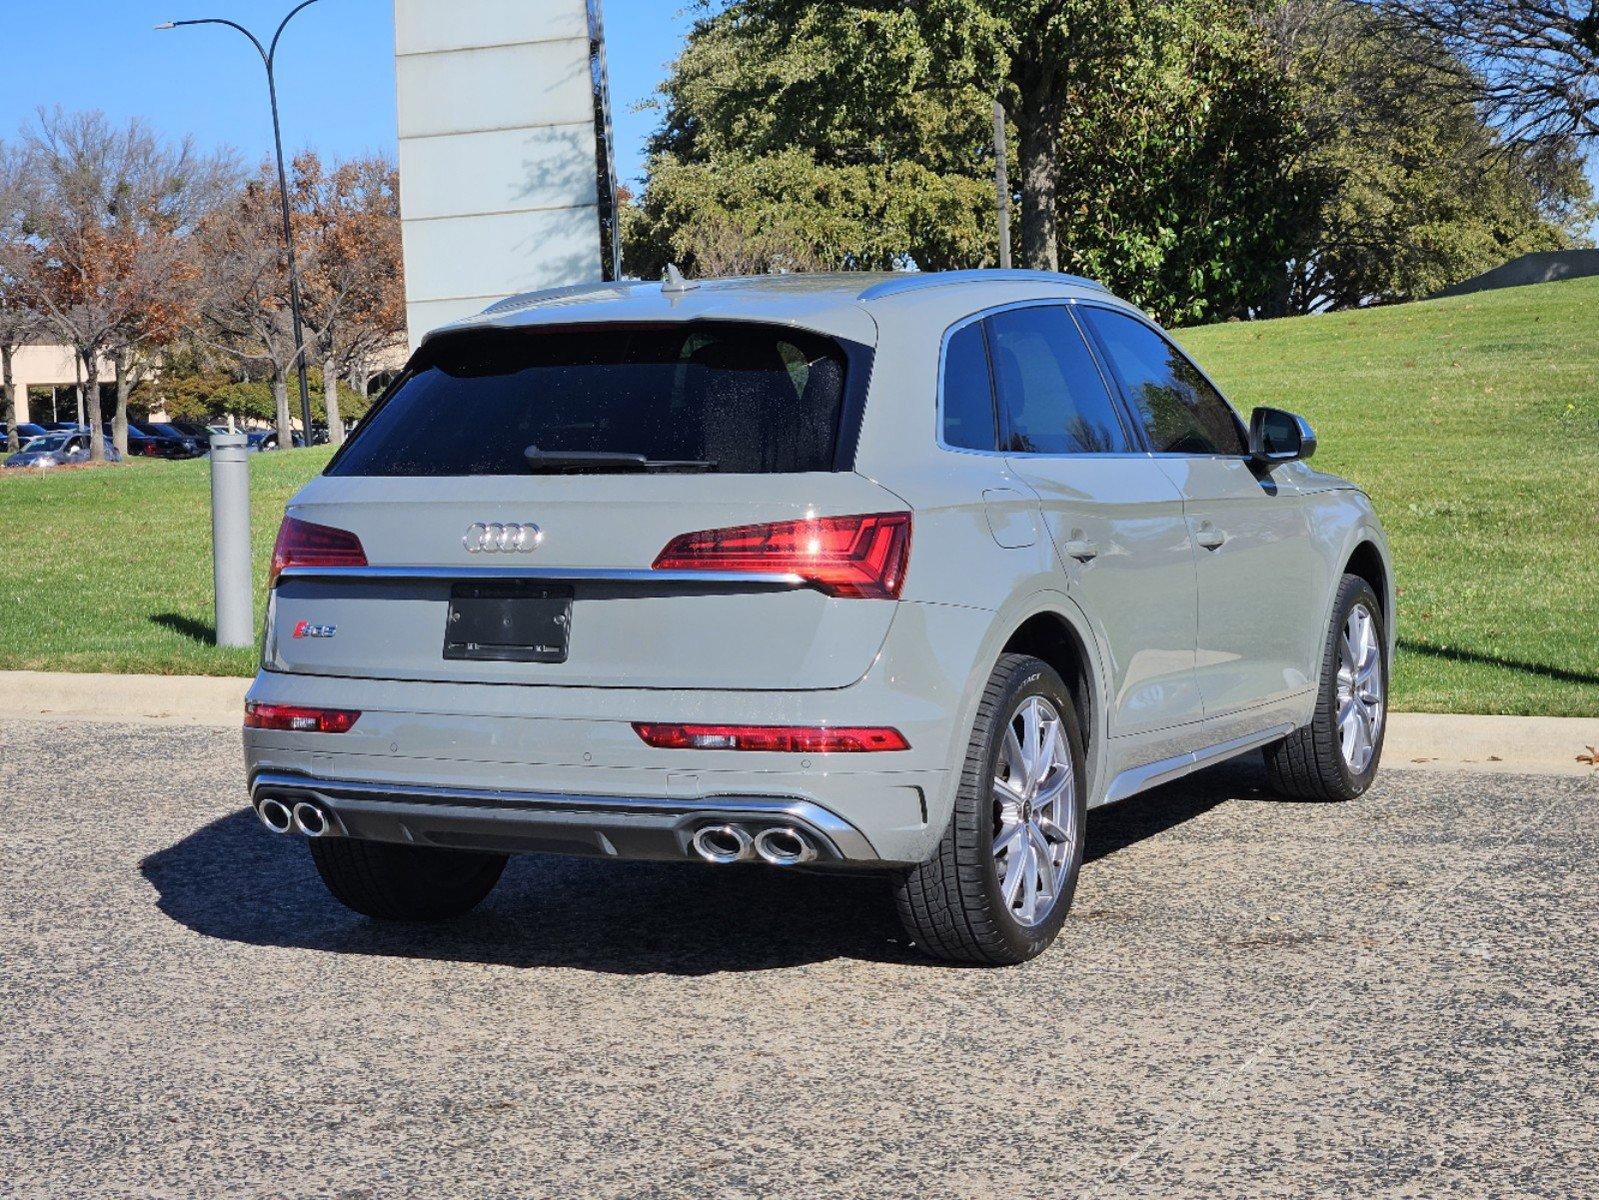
(1180, 411)
(725, 397)
(1053, 400)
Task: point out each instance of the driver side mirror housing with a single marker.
(1276, 436)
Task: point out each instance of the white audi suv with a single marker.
(901, 573)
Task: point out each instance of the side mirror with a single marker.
(1276, 436)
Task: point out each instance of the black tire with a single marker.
(1309, 763)
(952, 905)
(394, 882)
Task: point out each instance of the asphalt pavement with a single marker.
(1395, 997)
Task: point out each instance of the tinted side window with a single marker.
(1052, 396)
(1180, 411)
(968, 392)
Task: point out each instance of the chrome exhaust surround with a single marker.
(275, 815)
(784, 846)
(310, 820)
(722, 843)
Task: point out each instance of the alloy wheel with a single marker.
(1035, 811)
(1360, 692)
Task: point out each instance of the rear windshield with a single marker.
(718, 397)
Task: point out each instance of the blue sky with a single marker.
(335, 70)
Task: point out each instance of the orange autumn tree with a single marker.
(108, 220)
(347, 231)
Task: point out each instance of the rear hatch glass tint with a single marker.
(722, 397)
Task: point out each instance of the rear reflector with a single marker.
(298, 719)
(861, 557)
(307, 544)
(785, 739)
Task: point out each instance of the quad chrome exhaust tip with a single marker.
(275, 815)
(784, 846)
(722, 843)
(778, 846)
(310, 820)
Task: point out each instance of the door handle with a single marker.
(1209, 538)
(1081, 549)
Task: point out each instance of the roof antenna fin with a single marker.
(674, 284)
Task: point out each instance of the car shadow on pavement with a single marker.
(233, 880)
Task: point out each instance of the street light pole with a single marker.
(269, 56)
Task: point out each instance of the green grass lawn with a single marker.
(109, 569)
(1473, 422)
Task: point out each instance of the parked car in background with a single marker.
(58, 450)
(200, 433)
(155, 441)
(899, 572)
(25, 430)
(192, 446)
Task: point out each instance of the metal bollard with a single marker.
(230, 539)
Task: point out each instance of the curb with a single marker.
(163, 699)
(1415, 741)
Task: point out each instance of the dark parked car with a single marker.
(200, 434)
(25, 430)
(193, 447)
(153, 441)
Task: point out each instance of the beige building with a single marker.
(47, 382)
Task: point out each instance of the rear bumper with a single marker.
(623, 827)
(423, 742)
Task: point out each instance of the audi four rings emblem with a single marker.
(493, 537)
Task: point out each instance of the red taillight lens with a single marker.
(785, 739)
(861, 556)
(307, 544)
(298, 719)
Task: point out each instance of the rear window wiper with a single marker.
(599, 460)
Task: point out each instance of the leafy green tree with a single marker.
(1412, 190)
(1149, 135)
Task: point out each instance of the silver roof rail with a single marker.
(915, 281)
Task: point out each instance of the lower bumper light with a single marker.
(783, 739)
(298, 718)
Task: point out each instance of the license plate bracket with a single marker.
(508, 622)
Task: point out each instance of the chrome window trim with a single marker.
(1112, 389)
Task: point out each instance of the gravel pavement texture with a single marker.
(1396, 997)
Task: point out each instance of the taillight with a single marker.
(861, 556)
(298, 719)
(307, 544)
(785, 739)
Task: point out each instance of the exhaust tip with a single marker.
(722, 843)
(784, 846)
(275, 815)
(310, 820)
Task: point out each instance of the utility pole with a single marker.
(1001, 186)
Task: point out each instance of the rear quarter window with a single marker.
(742, 398)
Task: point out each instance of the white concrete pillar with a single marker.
(498, 191)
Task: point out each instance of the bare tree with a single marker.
(246, 306)
(1533, 65)
(109, 215)
(19, 322)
